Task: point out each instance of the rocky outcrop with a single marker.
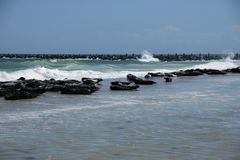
(140, 81)
(189, 72)
(116, 85)
(31, 88)
(157, 74)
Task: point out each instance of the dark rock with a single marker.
(131, 77)
(169, 75)
(143, 82)
(21, 78)
(4, 91)
(20, 94)
(91, 80)
(12, 85)
(235, 70)
(39, 90)
(33, 83)
(123, 86)
(118, 82)
(147, 76)
(168, 79)
(214, 72)
(137, 80)
(190, 72)
(157, 74)
(53, 87)
(76, 90)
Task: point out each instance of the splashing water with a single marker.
(147, 57)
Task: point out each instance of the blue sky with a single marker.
(119, 26)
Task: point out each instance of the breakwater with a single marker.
(161, 57)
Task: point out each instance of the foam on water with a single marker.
(42, 73)
(220, 65)
(107, 71)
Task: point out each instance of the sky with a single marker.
(119, 26)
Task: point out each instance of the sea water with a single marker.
(190, 118)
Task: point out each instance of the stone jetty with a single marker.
(161, 57)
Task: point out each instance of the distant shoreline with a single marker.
(161, 57)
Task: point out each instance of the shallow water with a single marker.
(190, 118)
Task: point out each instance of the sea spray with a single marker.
(226, 63)
(147, 57)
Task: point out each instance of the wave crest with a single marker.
(147, 57)
(42, 73)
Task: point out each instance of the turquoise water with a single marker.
(11, 69)
(190, 118)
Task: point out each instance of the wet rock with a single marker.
(131, 77)
(123, 86)
(31, 88)
(137, 80)
(4, 91)
(33, 83)
(53, 87)
(39, 90)
(76, 90)
(214, 72)
(21, 79)
(235, 70)
(118, 82)
(169, 75)
(147, 76)
(190, 72)
(20, 94)
(157, 74)
(91, 80)
(168, 79)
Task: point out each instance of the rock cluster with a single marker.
(116, 85)
(134, 81)
(31, 88)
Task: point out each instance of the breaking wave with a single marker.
(42, 73)
(147, 57)
(220, 65)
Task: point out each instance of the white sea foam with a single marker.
(220, 65)
(147, 57)
(47, 73)
(42, 73)
(53, 60)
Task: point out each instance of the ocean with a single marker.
(190, 118)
